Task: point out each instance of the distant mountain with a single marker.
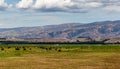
(104, 29)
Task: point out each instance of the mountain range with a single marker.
(102, 29)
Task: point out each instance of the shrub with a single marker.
(24, 49)
(2, 49)
(30, 49)
(50, 48)
(9, 47)
(59, 50)
(46, 49)
(17, 48)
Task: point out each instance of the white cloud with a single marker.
(4, 5)
(54, 5)
(93, 4)
(57, 5)
(67, 5)
(112, 8)
(24, 4)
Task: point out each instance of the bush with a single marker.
(59, 50)
(24, 49)
(46, 49)
(50, 48)
(9, 47)
(30, 49)
(17, 48)
(2, 49)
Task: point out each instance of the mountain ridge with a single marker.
(102, 29)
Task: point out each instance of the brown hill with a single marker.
(105, 29)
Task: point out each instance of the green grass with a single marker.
(60, 56)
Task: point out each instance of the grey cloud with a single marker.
(4, 5)
(75, 6)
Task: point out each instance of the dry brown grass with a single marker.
(63, 61)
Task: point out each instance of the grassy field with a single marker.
(60, 56)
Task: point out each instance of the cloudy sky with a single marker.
(21, 13)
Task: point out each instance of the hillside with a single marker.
(105, 29)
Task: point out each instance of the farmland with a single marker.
(59, 56)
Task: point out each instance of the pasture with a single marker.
(59, 56)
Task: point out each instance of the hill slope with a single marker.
(105, 29)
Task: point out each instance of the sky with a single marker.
(25, 13)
